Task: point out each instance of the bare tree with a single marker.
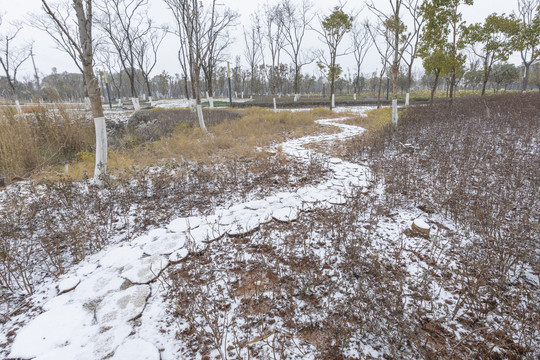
(64, 13)
(192, 29)
(275, 40)
(384, 50)
(413, 6)
(36, 71)
(296, 20)
(12, 57)
(253, 49)
(107, 58)
(125, 22)
(146, 48)
(85, 50)
(216, 41)
(362, 42)
(179, 31)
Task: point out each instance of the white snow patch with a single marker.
(145, 270)
(165, 245)
(286, 214)
(54, 329)
(121, 256)
(136, 349)
(68, 284)
(123, 306)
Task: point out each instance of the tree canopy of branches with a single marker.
(216, 41)
(146, 52)
(63, 11)
(253, 50)
(296, 21)
(413, 6)
(362, 42)
(273, 33)
(396, 37)
(380, 30)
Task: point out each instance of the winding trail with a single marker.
(112, 305)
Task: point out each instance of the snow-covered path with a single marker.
(112, 305)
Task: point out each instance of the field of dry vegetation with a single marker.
(158, 170)
(356, 282)
(345, 282)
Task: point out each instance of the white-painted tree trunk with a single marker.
(211, 101)
(136, 104)
(333, 101)
(101, 150)
(151, 103)
(407, 99)
(120, 102)
(354, 96)
(201, 118)
(275, 105)
(87, 103)
(66, 169)
(18, 106)
(242, 94)
(394, 112)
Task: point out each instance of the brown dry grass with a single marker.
(30, 142)
(373, 120)
(232, 139)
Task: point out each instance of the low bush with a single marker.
(476, 161)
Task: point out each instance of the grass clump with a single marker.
(32, 141)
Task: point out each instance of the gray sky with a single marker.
(48, 57)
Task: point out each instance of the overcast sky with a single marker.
(48, 57)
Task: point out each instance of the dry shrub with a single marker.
(45, 229)
(151, 125)
(28, 143)
(477, 162)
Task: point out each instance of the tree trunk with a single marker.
(484, 82)
(296, 79)
(527, 66)
(94, 94)
(379, 93)
(409, 77)
(186, 86)
(434, 88)
(148, 87)
(332, 88)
